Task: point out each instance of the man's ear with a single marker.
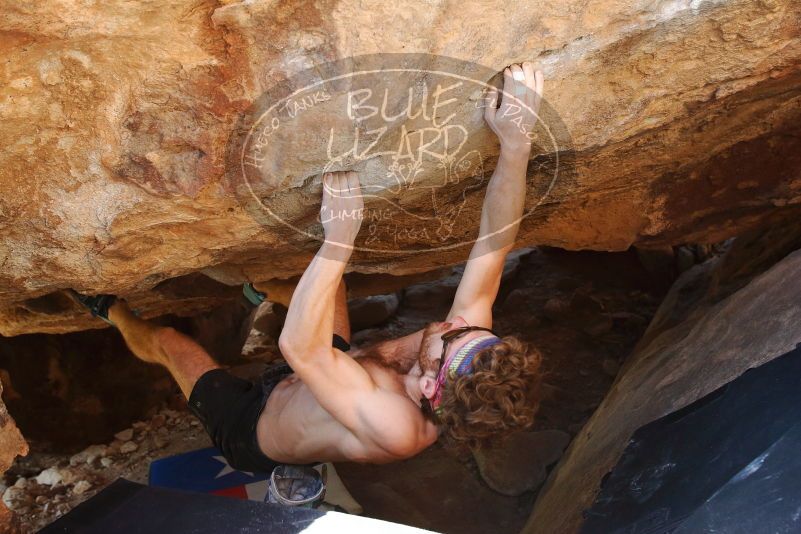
(427, 386)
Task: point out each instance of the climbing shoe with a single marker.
(98, 305)
(253, 295)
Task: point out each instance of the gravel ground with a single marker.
(42, 487)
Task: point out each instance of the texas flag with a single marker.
(207, 471)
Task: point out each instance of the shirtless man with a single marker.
(384, 402)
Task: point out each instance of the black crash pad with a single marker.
(730, 462)
(125, 507)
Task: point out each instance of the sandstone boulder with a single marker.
(682, 119)
(12, 444)
(719, 319)
(370, 311)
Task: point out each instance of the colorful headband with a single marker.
(460, 364)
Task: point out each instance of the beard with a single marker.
(402, 363)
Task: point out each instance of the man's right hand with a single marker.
(342, 209)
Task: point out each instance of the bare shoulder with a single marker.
(397, 426)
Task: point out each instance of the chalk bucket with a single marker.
(296, 485)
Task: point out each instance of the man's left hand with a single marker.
(514, 121)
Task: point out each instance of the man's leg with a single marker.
(227, 406)
(184, 359)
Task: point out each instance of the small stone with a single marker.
(49, 477)
(128, 446)
(68, 476)
(429, 295)
(124, 435)
(549, 391)
(370, 311)
(512, 264)
(159, 442)
(521, 463)
(106, 461)
(610, 367)
(517, 301)
(555, 308)
(41, 499)
(88, 455)
(139, 425)
(587, 313)
(81, 487)
(582, 311)
(268, 321)
(21, 482)
(12, 496)
(158, 421)
(659, 263)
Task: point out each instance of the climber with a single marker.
(453, 379)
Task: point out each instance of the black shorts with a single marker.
(229, 408)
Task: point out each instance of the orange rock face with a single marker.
(12, 444)
(681, 122)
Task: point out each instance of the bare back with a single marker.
(295, 428)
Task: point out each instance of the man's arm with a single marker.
(340, 385)
(281, 291)
(505, 197)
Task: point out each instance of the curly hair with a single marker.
(500, 397)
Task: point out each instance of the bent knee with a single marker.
(169, 339)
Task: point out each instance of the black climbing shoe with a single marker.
(98, 305)
(253, 295)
